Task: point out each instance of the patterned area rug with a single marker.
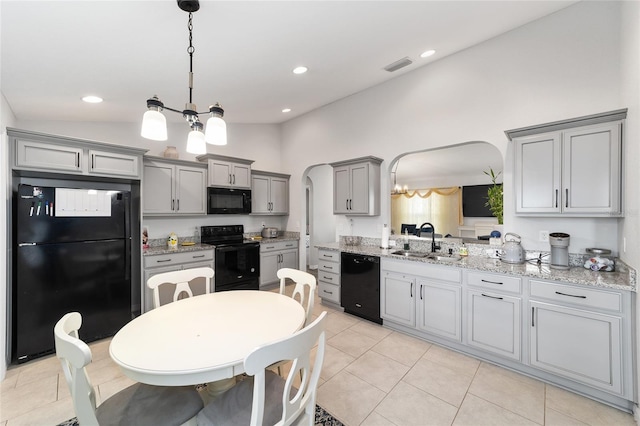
(322, 418)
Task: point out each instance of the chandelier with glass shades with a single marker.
(154, 123)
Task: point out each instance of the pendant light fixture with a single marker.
(154, 123)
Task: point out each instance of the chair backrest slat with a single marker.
(181, 280)
(303, 280)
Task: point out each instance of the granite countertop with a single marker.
(622, 279)
(163, 249)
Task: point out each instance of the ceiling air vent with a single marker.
(400, 63)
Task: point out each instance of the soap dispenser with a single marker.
(406, 240)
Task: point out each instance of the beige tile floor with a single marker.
(371, 376)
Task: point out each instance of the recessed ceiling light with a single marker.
(286, 110)
(92, 99)
(427, 53)
(300, 70)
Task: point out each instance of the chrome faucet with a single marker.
(434, 246)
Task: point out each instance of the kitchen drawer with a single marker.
(496, 282)
(329, 292)
(168, 259)
(330, 256)
(329, 277)
(579, 296)
(324, 266)
(277, 245)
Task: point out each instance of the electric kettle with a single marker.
(512, 251)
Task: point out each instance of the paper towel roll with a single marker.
(384, 241)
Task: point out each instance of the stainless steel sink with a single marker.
(433, 256)
(445, 258)
(409, 253)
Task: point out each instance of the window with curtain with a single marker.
(440, 206)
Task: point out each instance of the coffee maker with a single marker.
(559, 250)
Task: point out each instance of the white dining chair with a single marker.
(181, 281)
(266, 398)
(303, 281)
(139, 404)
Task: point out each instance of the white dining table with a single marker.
(203, 338)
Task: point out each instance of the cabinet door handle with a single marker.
(491, 282)
(162, 261)
(346, 206)
(421, 291)
(327, 278)
(78, 159)
(350, 204)
(173, 203)
(229, 178)
(566, 197)
(411, 291)
(178, 205)
(328, 292)
(358, 305)
(533, 323)
(93, 161)
(493, 297)
(197, 257)
(556, 198)
(234, 179)
(328, 267)
(571, 295)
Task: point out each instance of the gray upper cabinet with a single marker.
(356, 186)
(174, 187)
(41, 152)
(574, 171)
(269, 193)
(227, 172)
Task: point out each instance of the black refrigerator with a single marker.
(72, 252)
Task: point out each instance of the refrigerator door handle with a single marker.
(26, 244)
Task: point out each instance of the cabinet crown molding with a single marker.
(368, 158)
(604, 117)
(206, 157)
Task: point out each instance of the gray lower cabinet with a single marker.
(493, 308)
(168, 262)
(397, 302)
(329, 276)
(576, 336)
(41, 152)
(275, 256)
(578, 333)
(427, 298)
(174, 187)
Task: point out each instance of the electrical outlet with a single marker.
(493, 253)
(544, 236)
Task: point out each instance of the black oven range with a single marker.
(237, 261)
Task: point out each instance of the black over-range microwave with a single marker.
(228, 201)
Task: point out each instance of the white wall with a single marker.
(323, 230)
(7, 119)
(562, 66)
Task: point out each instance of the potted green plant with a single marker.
(494, 195)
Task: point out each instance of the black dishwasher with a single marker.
(360, 285)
